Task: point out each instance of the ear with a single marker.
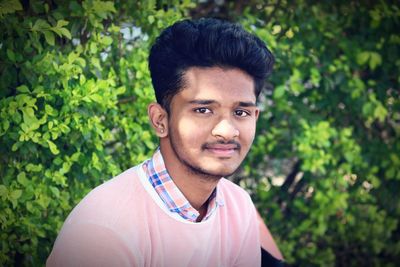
(158, 119)
(257, 113)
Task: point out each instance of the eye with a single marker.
(241, 113)
(202, 110)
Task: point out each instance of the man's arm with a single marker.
(270, 253)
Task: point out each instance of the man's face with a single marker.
(212, 121)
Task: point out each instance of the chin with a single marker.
(222, 171)
(210, 170)
(228, 166)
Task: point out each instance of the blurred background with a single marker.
(324, 171)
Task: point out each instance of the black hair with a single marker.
(206, 42)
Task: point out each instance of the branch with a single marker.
(126, 100)
(290, 178)
(297, 188)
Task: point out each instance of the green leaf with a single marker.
(315, 77)
(23, 89)
(72, 57)
(21, 178)
(34, 168)
(380, 112)
(362, 58)
(58, 161)
(81, 62)
(50, 110)
(30, 118)
(9, 6)
(66, 33)
(151, 19)
(3, 191)
(53, 147)
(96, 62)
(93, 48)
(43, 201)
(96, 98)
(41, 25)
(15, 146)
(16, 194)
(49, 36)
(120, 90)
(6, 124)
(375, 60)
(101, 8)
(367, 109)
(57, 31)
(55, 191)
(107, 40)
(10, 55)
(61, 23)
(16, 117)
(279, 91)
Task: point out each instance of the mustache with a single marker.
(231, 142)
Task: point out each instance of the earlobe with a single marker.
(158, 119)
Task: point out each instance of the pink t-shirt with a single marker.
(123, 222)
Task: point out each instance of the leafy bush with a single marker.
(327, 155)
(324, 170)
(74, 91)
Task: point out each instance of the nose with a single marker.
(225, 130)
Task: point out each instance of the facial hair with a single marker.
(190, 167)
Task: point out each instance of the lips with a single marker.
(223, 150)
(222, 146)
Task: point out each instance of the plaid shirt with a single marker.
(170, 193)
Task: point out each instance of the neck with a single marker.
(195, 187)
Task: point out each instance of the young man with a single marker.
(176, 209)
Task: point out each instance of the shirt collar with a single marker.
(170, 193)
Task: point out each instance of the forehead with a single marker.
(221, 85)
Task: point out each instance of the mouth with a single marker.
(223, 150)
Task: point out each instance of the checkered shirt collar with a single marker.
(170, 193)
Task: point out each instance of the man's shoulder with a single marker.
(118, 185)
(230, 187)
(111, 197)
(97, 229)
(235, 195)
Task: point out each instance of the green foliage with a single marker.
(326, 153)
(74, 90)
(325, 167)
(9, 6)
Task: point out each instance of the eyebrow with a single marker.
(209, 102)
(202, 102)
(247, 104)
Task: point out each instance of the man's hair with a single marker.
(205, 43)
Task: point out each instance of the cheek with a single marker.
(191, 132)
(247, 134)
